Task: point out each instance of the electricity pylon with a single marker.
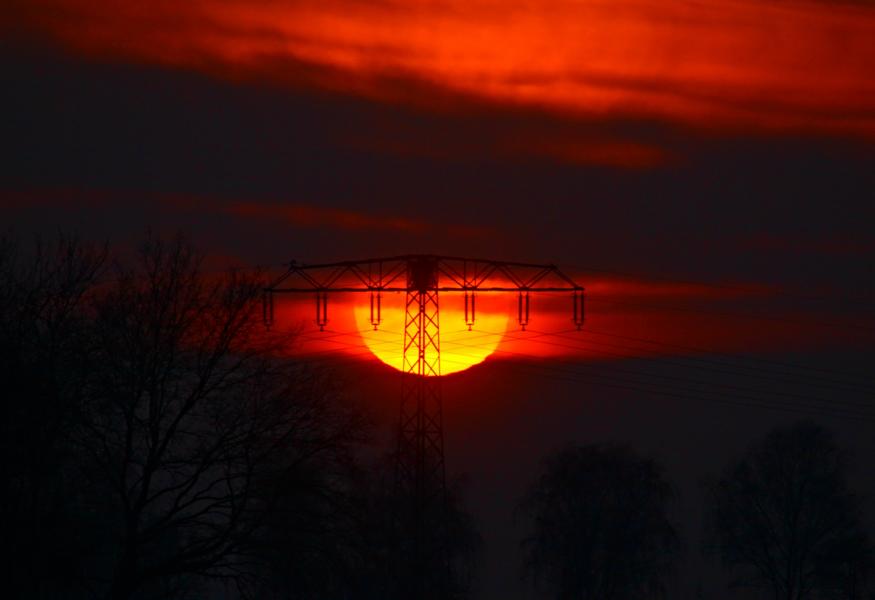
(419, 459)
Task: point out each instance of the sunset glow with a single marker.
(316, 298)
(795, 65)
(460, 348)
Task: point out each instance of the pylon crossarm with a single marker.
(480, 271)
(422, 273)
(458, 275)
(382, 278)
(441, 289)
(539, 276)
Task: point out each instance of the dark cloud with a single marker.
(148, 131)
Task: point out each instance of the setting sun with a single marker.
(460, 348)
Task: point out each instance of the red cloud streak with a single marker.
(625, 319)
(796, 65)
(299, 215)
(314, 216)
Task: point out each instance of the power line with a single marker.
(697, 382)
(575, 375)
(581, 378)
(757, 372)
(750, 358)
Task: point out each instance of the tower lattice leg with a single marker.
(420, 472)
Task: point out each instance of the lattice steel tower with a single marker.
(420, 475)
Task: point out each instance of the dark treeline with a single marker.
(159, 443)
(780, 518)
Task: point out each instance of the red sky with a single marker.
(705, 169)
(656, 136)
(625, 319)
(724, 65)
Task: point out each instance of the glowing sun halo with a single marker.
(460, 348)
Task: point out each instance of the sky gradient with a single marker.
(705, 169)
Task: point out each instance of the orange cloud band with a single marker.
(797, 65)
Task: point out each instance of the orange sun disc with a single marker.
(460, 348)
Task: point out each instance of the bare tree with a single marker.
(44, 361)
(599, 525)
(784, 520)
(194, 416)
(158, 442)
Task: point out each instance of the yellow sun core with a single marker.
(460, 348)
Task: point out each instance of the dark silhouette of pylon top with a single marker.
(421, 273)
(420, 477)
